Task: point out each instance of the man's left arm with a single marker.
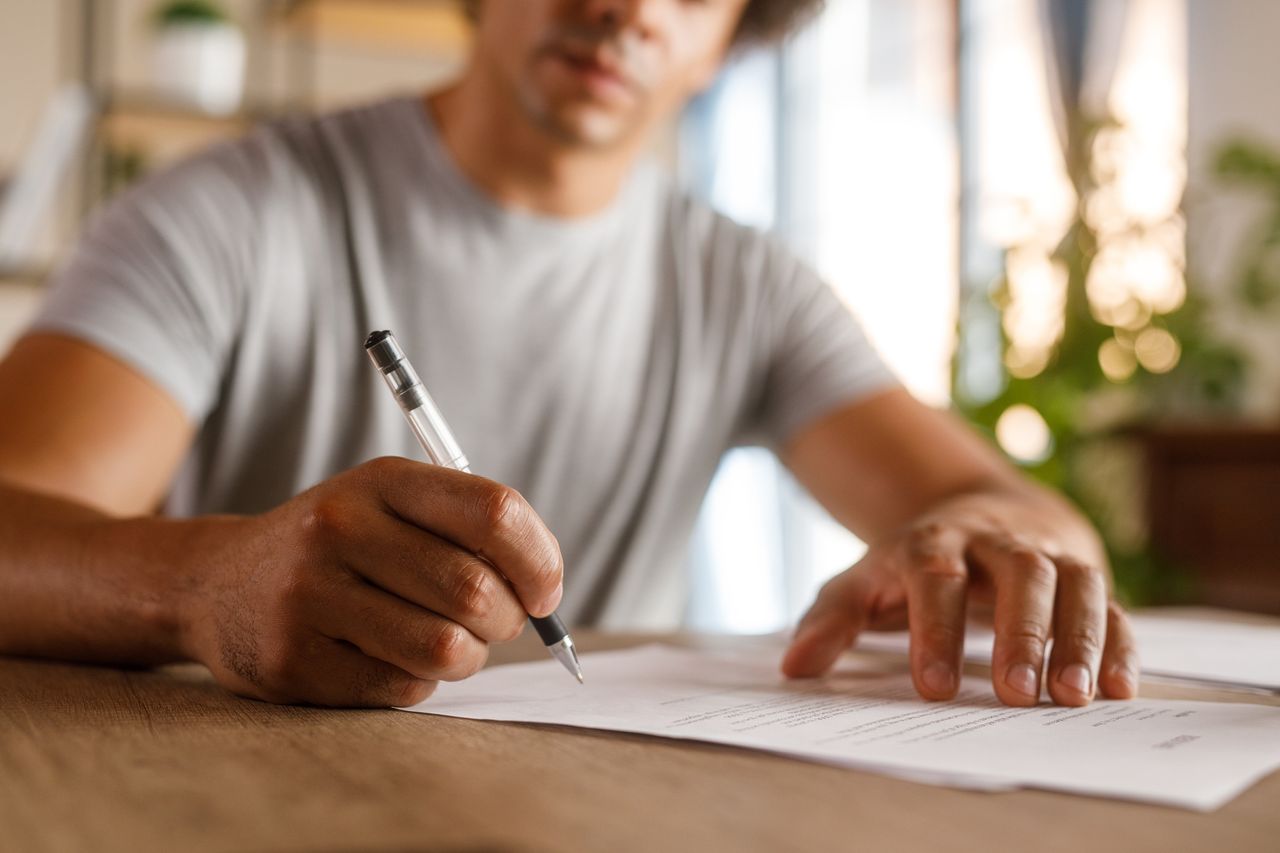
(950, 523)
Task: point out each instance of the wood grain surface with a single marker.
(94, 758)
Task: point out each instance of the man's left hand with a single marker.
(980, 549)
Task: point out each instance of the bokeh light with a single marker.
(1157, 350)
(1138, 169)
(1023, 434)
(1117, 360)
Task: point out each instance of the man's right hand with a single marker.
(369, 588)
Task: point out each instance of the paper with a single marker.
(1221, 654)
(1192, 754)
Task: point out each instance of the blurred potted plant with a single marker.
(1257, 167)
(198, 55)
(1137, 351)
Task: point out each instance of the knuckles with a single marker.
(327, 520)
(1082, 642)
(478, 596)
(474, 592)
(1032, 565)
(942, 636)
(440, 650)
(938, 565)
(384, 468)
(926, 534)
(1082, 575)
(501, 509)
(924, 552)
(445, 647)
(508, 517)
(1026, 632)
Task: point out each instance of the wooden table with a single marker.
(95, 758)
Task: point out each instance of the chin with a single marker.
(589, 125)
(592, 134)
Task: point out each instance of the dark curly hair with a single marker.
(762, 22)
(768, 21)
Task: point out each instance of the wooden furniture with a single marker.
(93, 758)
(1213, 501)
(437, 26)
(137, 129)
(284, 38)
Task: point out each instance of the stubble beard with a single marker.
(576, 131)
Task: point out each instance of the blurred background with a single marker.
(1059, 217)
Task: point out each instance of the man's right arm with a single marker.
(365, 590)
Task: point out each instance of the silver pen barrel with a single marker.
(419, 409)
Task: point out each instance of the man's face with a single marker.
(600, 73)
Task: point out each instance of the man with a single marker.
(596, 340)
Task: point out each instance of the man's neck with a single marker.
(520, 165)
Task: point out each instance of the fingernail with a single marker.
(1022, 678)
(939, 677)
(1077, 677)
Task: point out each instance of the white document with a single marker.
(1196, 755)
(1221, 654)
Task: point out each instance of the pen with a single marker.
(442, 449)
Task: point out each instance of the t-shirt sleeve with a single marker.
(816, 355)
(160, 277)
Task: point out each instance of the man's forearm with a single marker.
(80, 585)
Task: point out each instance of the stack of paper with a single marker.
(1192, 754)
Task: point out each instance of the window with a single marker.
(843, 141)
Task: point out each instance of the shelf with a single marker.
(435, 26)
(138, 130)
(142, 108)
(24, 277)
(165, 127)
(136, 102)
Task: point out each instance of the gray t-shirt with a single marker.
(601, 366)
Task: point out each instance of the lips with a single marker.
(597, 72)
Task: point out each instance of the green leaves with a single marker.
(189, 12)
(1101, 383)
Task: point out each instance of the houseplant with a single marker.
(1121, 366)
(198, 56)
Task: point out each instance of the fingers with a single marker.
(1120, 665)
(439, 576)
(332, 673)
(1079, 630)
(937, 589)
(484, 517)
(416, 641)
(830, 626)
(939, 566)
(1025, 583)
